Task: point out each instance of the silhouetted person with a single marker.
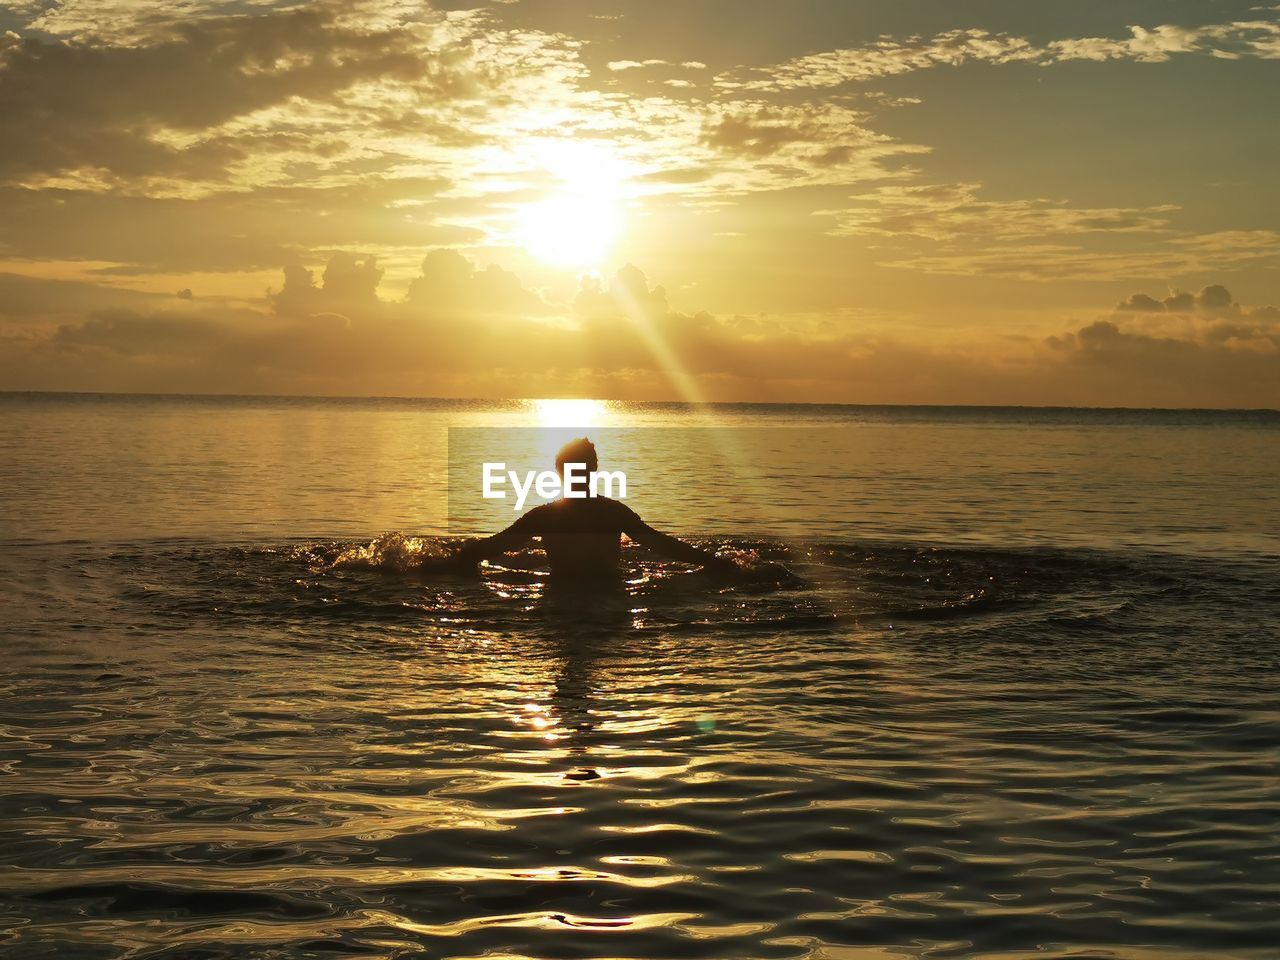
(582, 536)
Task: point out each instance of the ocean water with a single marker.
(1019, 700)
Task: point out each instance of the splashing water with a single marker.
(393, 551)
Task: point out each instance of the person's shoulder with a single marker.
(619, 513)
(535, 517)
(612, 505)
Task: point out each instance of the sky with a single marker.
(924, 201)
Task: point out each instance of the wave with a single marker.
(389, 581)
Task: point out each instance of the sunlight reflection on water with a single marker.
(277, 470)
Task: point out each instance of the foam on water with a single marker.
(393, 552)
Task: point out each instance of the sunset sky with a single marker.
(924, 201)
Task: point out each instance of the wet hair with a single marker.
(581, 450)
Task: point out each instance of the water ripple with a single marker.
(308, 750)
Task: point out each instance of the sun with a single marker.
(568, 230)
(578, 220)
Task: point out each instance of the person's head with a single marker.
(581, 451)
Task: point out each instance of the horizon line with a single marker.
(158, 395)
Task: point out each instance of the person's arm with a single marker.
(486, 548)
(672, 547)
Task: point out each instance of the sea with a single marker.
(996, 683)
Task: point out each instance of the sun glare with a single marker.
(578, 221)
(570, 413)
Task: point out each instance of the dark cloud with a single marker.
(760, 130)
(1216, 299)
(1141, 303)
(756, 136)
(71, 105)
(1212, 301)
(1222, 353)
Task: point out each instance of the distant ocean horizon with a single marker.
(674, 404)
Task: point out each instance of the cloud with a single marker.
(1177, 256)
(229, 231)
(464, 331)
(348, 285)
(757, 145)
(1024, 239)
(617, 66)
(1212, 300)
(1243, 38)
(156, 109)
(171, 336)
(244, 142)
(947, 211)
(280, 110)
(460, 330)
(238, 143)
(448, 285)
(119, 21)
(1188, 349)
(884, 58)
(34, 301)
(182, 101)
(890, 57)
(170, 146)
(1220, 364)
(1211, 317)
